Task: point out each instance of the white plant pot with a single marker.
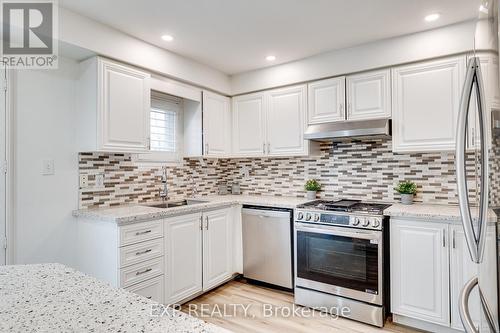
(407, 199)
(311, 195)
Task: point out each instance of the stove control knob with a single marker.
(376, 223)
(356, 221)
(300, 216)
(308, 216)
(316, 217)
(366, 222)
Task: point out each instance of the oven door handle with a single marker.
(335, 231)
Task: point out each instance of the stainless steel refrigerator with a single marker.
(478, 300)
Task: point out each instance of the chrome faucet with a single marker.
(164, 193)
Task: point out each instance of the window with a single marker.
(165, 129)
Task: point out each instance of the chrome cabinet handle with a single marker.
(341, 107)
(206, 226)
(143, 252)
(206, 148)
(453, 245)
(144, 271)
(473, 79)
(263, 147)
(201, 222)
(444, 237)
(142, 232)
(473, 139)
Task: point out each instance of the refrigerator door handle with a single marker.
(473, 79)
(463, 306)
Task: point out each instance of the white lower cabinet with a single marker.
(419, 271)
(217, 248)
(183, 257)
(151, 289)
(430, 264)
(198, 253)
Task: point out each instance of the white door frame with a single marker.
(9, 177)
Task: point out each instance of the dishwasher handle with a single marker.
(266, 213)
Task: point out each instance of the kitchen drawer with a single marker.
(136, 253)
(141, 272)
(139, 232)
(151, 289)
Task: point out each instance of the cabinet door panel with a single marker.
(286, 121)
(216, 125)
(183, 257)
(369, 95)
(425, 105)
(462, 270)
(124, 109)
(326, 100)
(248, 125)
(217, 248)
(419, 271)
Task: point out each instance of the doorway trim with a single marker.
(9, 176)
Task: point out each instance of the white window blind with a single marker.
(165, 129)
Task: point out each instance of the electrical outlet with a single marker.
(84, 181)
(99, 180)
(48, 167)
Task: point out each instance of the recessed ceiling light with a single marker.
(483, 9)
(167, 38)
(432, 17)
(270, 58)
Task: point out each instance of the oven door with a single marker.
(341, 261)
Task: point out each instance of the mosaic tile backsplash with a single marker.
(366, 170)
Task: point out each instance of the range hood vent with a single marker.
(495, 116)
(349, 129)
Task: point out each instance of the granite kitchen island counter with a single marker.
(56, 298)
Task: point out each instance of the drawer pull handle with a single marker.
(143, 252)
(142, 232)
(144, 271)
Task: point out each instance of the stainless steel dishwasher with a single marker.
(267, 245)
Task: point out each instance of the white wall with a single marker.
(45, 128)
(452, 39)
(106, 41)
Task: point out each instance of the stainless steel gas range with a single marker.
(341, 250)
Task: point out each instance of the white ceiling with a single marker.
(236, 35)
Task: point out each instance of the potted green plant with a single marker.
(312, 187)
(407, 189)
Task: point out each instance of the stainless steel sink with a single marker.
(172, 204)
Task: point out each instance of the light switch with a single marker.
(48, 167)
(99, 180)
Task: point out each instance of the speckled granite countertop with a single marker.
(136, 213)
(56, 298)
(449, 213)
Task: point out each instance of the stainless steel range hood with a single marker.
(349, 129)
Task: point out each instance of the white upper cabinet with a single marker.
(326, 101)
(420, 270)
(286, 121)
(369, 95)
(270, 123)
(216, 125)
(425, 100)
(248, 116)
(114, 105)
